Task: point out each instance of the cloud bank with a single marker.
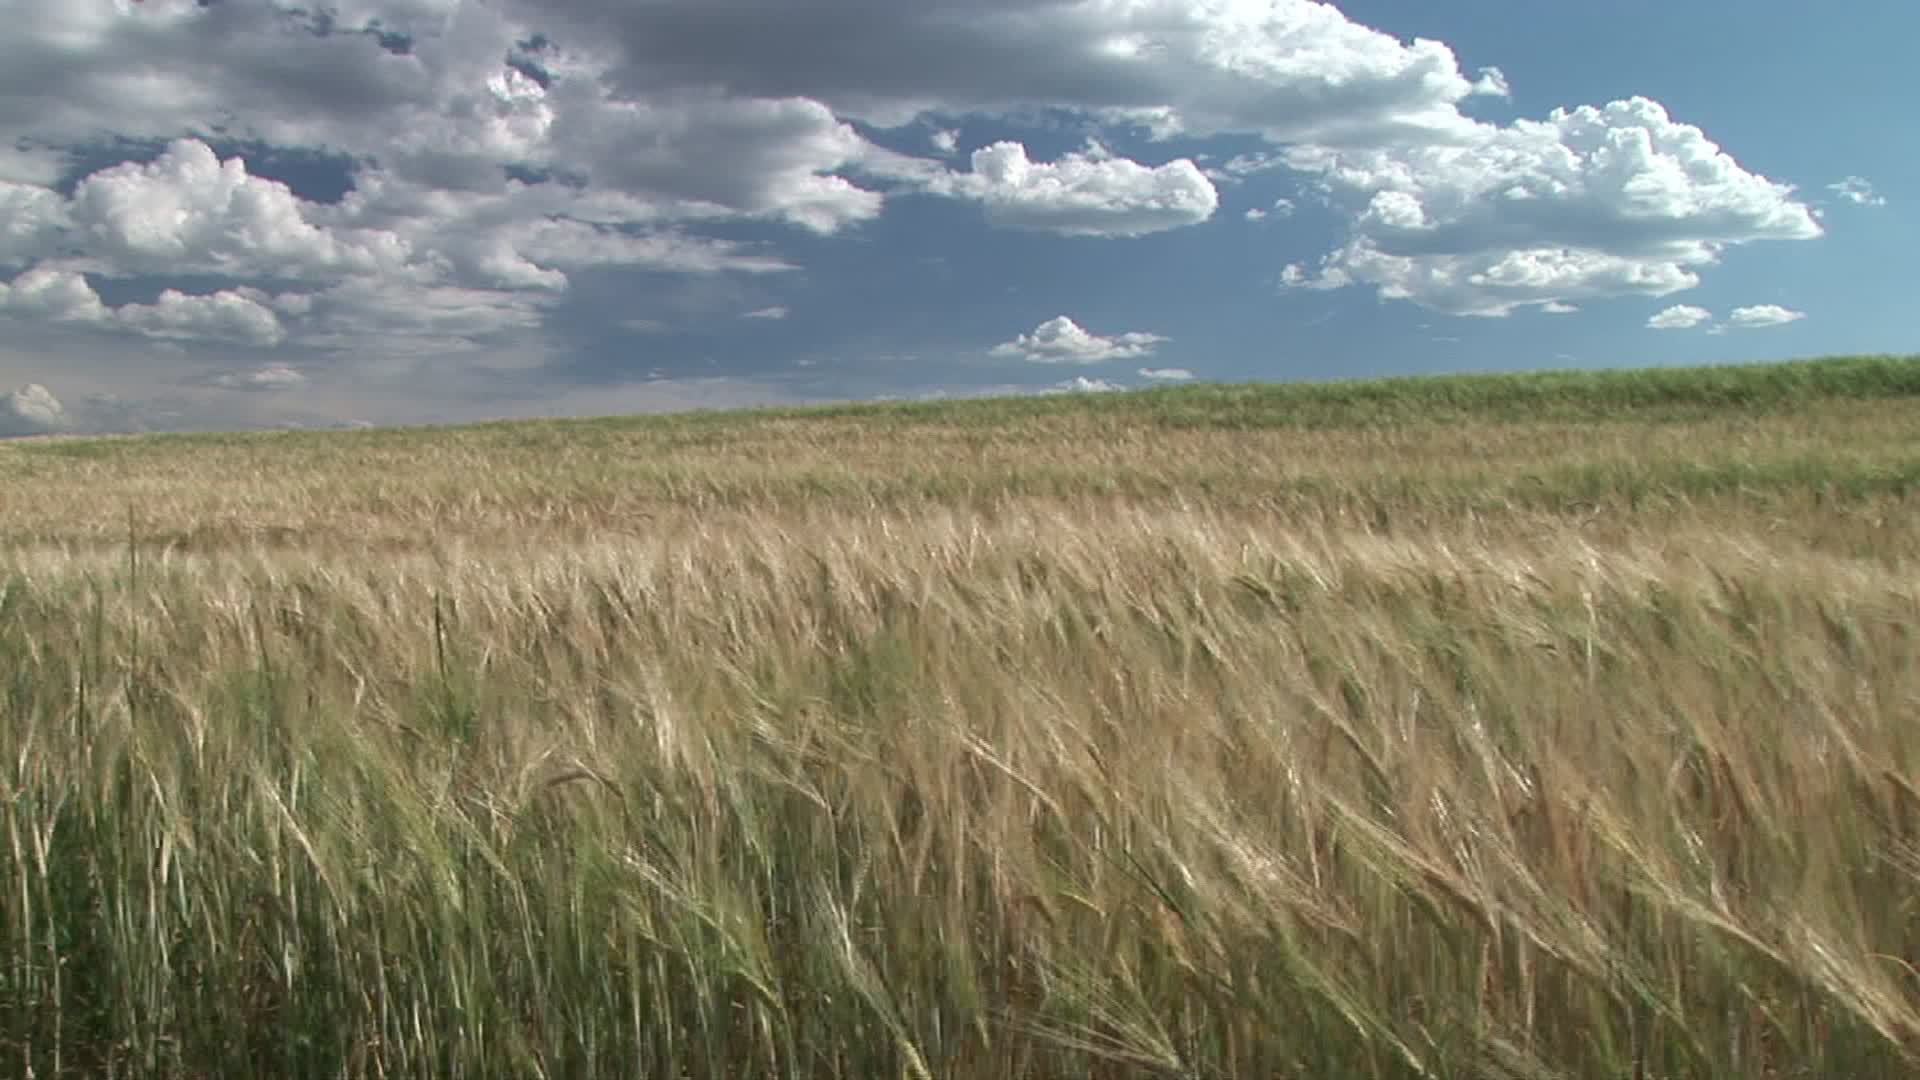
(513, 174)
(1607, 201)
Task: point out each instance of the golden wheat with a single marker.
(1072, 749)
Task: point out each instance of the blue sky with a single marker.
(251, 213)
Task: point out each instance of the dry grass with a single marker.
(1080, 743)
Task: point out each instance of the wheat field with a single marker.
(1520, 726)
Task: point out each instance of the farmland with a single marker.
(1548, 725)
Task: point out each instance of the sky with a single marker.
(230, 214)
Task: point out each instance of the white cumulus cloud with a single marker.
(1171, 374)
(244, 316)
(189, 211)
(222, 316)
(1763, 315)
(33, 218)
(1060, 340)
(1590, 202)
(1083, 193)
(757, 157)
(399, 246)
(1679, 317)
(31, 410)
(53, 295)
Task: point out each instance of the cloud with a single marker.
(31, 218)
(1286, 69)
(1083, 193)
(1060, 340)
(398, 319)
(1858, 191)
(774, 313)
(31, 410)
(518, 235)
(509, 159)
(1080, 384)
(419, 320)
(160, 67)
(1556, 307)
(755, 157)
(238, 316)
(1679, 317)
(1282, 208)
(29, 166)
(1171, 374)
(1764, 315)
(1590, 202)
(1492, 82)
(433, 220)
(1240, 166)
(51, 295)
(447, 110)
(222, 316)
(267, 378)
(414, 255)
(191, 212)
(1297, 276)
